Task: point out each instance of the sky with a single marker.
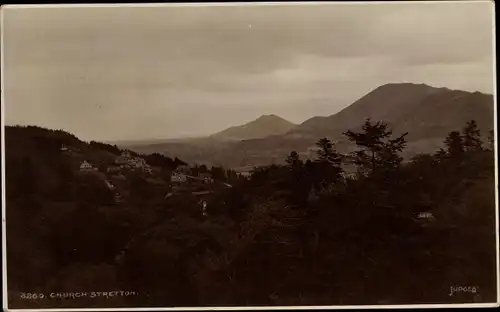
(134, 73)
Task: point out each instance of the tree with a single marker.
(218, 174)
(326, 153)
(106, 147)
(91, 189)
(203, 169)
(178, 162)
(472, 137)
(141, 190)
(454, 144)
(491, 140)
(326, 169)
(232, 176)
(159, 160)
(293, 160)
(297, 185)
(378, 151)
(420, 185)
(28, 176)
(66, 177)
(195, 170)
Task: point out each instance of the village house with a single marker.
(425, 216)
(113, 169)
(127, 161)
(206, 177)
(245, 174)
(348, 175)
(87, 167)
(178, 177)
(137, 162)
(147, 169)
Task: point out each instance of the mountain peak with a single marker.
(391, 85)
(265, 125)
(402, 105)
(411, 86)
(270, 117)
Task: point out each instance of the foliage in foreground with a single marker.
(307, 233)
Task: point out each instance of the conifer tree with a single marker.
(377, 149)
(454, 144)
(472, 137)
(326, 168)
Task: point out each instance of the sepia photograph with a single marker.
(260, 155)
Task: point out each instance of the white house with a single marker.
(86, 167)
(426, 216)
(131, 162)
(178, 178)
(245, 174)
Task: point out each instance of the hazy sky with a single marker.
(113, 73)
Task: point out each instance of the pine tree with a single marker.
(326, 152)
(378, 151)
(472, 137)
(293, 160)
(326, 169)
(297, 186)
(454, 144)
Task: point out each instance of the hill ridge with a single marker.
(265, 125)
(428, 113)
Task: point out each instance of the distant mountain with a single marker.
(261, 127)
(401, 105)
(427, 113)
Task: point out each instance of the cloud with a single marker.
(152, 69)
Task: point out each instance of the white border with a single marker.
(212, 4)
(413, 306)
(423, 306)
(495, 143)
(2, 117)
